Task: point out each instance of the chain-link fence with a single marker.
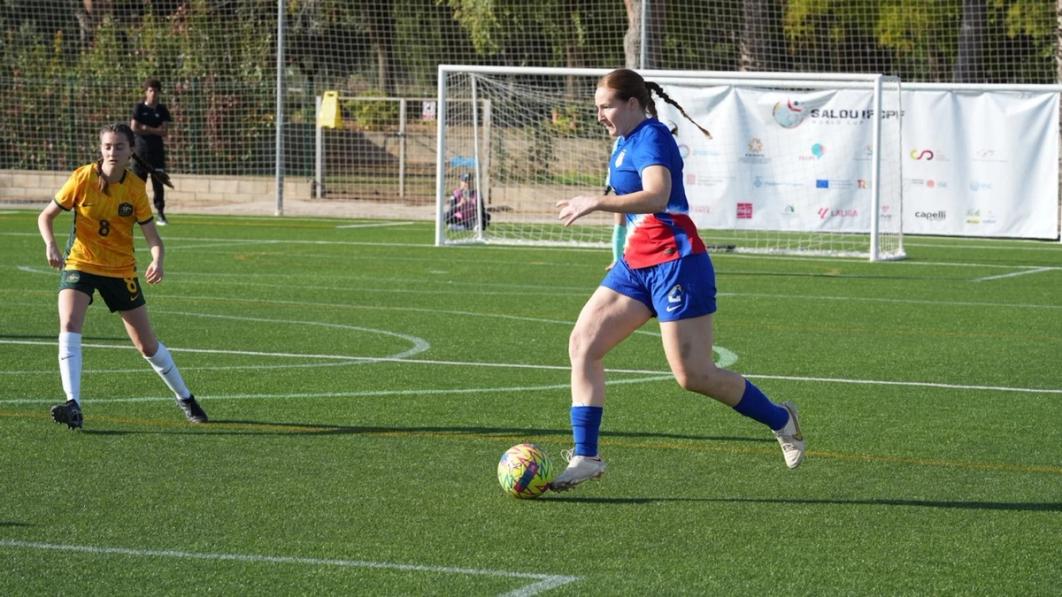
(68, 67)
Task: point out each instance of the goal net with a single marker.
(803, 164)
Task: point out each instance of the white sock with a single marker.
(163, 364)
(70, 364)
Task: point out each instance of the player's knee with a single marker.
(576, 346)
(581, 346)
(702, 382)
(685, 380)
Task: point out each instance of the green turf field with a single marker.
(362, 384)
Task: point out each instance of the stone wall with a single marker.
(31, 186)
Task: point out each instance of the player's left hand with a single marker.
(153, 273)
(576, 207)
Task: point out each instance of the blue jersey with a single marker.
(663, 236)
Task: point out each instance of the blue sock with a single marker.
(586, 423)
(755, 405)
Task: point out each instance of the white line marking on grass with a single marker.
(653, 376)
(254, 353)
(358, 394)
(419, 344)
(544, 581)
(218, 245)
(140, 371)
(917, 384)
(374, 225)
(554, 292)
(869, 299)
(1015, 274)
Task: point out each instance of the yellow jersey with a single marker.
(101, 242)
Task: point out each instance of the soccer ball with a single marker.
(525, 471)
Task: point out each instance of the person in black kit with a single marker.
(149, 122)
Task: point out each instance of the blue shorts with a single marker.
(673, 290)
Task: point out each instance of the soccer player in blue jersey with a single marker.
(664, 272)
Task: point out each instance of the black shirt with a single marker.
(150, 147)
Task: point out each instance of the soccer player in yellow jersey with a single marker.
(107, 200)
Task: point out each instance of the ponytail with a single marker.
(659, 91)
(628, 83)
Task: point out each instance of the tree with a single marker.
(544, 33)
(969, 63)
(632, 40)
(762, 44)
(378, 23)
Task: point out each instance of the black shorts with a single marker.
(120, 294)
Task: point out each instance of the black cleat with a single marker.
(192, 411)
(68, 413)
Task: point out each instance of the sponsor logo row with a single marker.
(693, 179)
(746, 210)
(755, 151)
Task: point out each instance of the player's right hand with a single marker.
(54, 257)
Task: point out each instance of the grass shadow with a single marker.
(506, 432)
(946, 504)
(250, 427)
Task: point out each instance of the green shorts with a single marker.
(120, 294)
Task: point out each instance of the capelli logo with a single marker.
(932, 216)
(922, 154)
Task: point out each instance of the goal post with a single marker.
(798, 163)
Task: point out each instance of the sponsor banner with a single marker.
(777, 160)
(981, 163)
(973, 163)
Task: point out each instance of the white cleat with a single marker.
(580, 468)
(790, 438)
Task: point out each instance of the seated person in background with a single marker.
(464, 201)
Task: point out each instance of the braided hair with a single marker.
(628, 84)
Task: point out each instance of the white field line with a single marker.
(654, 375)
(870, 299)
(374, 224)
(560, 291)
(430, 245)
(1016, 274)
(544, 582)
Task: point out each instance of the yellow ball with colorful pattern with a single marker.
(525, 471)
